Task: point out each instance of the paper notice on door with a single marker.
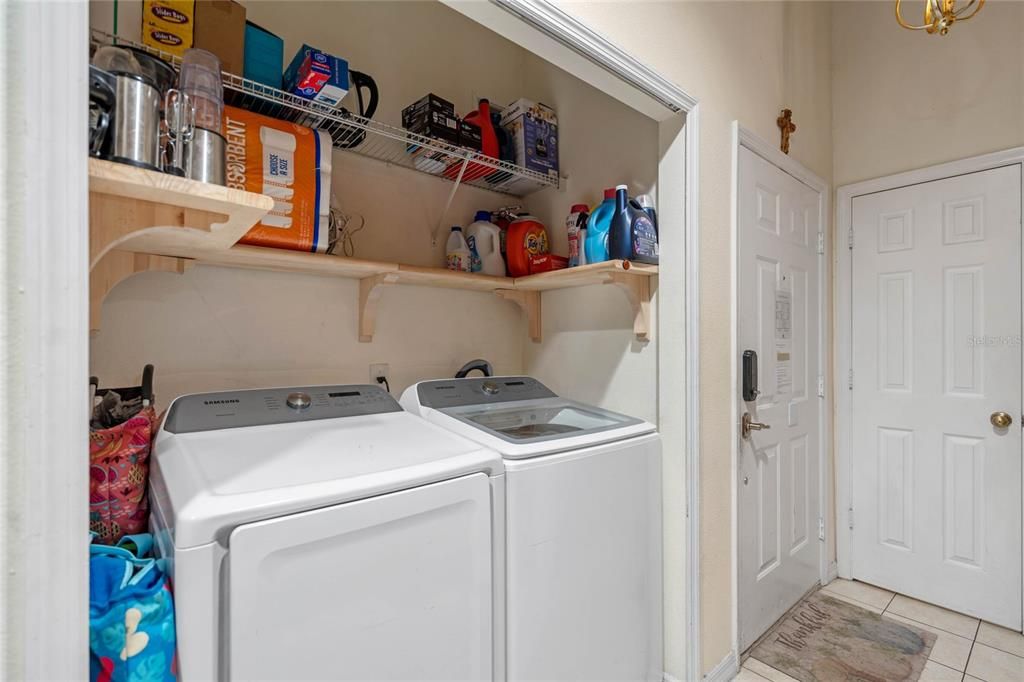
(783, 340)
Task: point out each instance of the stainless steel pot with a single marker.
(136, 124)
(206, 157)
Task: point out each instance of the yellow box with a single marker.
(168, 25)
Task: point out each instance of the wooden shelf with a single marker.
(138, 217)
(143, 220)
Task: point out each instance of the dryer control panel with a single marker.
(236, 409)
(480, 391)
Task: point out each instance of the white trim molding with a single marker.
(843, 305)
(594, 47)
(726, 669)
(743, 137)
(44, 344)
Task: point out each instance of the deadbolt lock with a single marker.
(747, 424)
(1000, 420)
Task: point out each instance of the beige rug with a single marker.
(827, 640)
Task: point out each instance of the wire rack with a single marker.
(366, 137)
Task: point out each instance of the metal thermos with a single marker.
(136, 138)
(206, 157)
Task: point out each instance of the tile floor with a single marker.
(965, 650)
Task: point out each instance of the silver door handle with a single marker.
(747, 424)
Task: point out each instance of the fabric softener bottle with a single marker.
(631, 235)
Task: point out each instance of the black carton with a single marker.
(469, 136)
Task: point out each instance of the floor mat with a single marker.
(826, 640)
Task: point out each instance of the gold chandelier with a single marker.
(939, 15)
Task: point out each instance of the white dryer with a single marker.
(583, 526)
(324, 533)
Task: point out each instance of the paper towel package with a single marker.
(292, 165)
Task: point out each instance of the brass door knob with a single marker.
(747, 424)
(1000, 420)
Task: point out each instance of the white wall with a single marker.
(905, 99)
(248, 328)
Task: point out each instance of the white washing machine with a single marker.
(583, 526)
(324, 533)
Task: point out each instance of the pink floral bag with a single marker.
(119, 469)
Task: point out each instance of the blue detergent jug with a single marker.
(596, 245)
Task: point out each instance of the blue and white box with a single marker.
(533, 127)
(318, 76)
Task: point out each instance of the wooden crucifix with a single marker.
(786, 125)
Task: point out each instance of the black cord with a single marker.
(384, 380)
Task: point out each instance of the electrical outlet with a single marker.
(378, 370)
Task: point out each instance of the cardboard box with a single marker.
(168, 25)
(470, 136)
(318, 76)
(429, 103)
(220, 28)
(534, 130)
(545, 262)
(264, 56)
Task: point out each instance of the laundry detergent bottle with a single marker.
(596, 245)
(457, 254)
(631, 235)
(486, 237)
(527, 237)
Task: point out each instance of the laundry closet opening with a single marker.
(385, 308)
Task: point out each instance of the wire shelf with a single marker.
(366, 137)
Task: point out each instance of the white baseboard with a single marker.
(833, 571)
(726, 669)
(669, 678)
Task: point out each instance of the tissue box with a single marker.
(534, 130)
(264, 56)
(318, 76)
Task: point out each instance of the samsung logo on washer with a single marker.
(221, 402)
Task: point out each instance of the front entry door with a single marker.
(779, 319)
(936, 486)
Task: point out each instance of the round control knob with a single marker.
(490, 387)
(298, 400)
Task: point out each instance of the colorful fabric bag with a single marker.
(118, 473)
(131, 614)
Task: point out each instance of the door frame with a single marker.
(743, 137)
(843, 305)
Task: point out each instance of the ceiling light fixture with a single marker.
(939, 15)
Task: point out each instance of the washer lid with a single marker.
(519, 416)
(207, 482)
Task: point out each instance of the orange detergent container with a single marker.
(527, 237)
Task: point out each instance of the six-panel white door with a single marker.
(779, 315)
(936, 506)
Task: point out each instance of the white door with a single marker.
(394, 587)
(779, 319)
(936, 350)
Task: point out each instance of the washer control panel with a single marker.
(480, 391)
(235, 409)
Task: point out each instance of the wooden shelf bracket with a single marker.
(115, 266)
(638, 291)
(529, 301)
(370, 289)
